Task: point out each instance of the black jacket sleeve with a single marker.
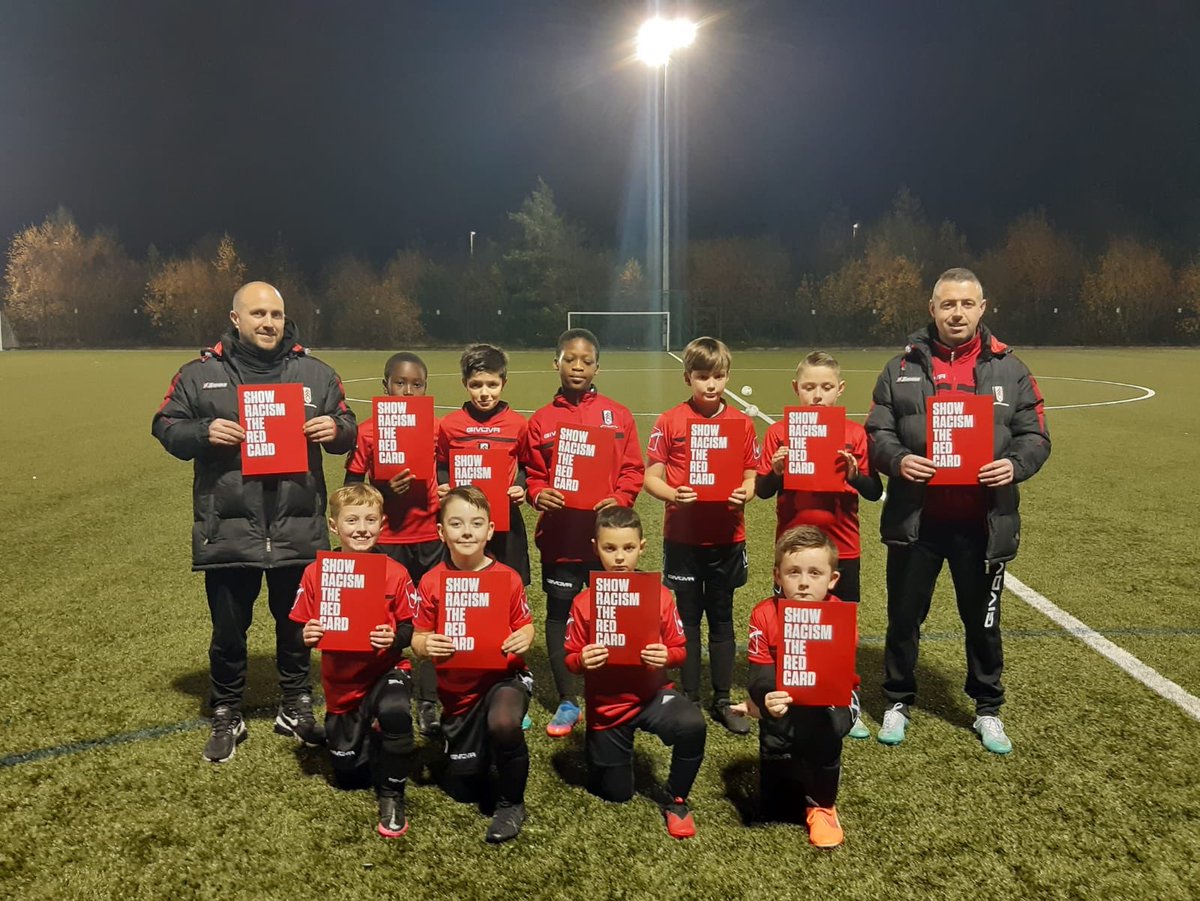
(1030, 444)
(759, 682)
(883, 440)
(767, 486)
(176, 425)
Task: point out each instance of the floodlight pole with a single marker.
(665, 190)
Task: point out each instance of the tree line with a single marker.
(865, 283)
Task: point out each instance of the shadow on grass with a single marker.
(262, 685)
(936, 694)
(570, 764)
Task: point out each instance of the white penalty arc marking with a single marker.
(1131, 665)
(1148, 676)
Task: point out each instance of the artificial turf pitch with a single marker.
(103, 671)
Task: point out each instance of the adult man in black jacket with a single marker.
(976, 529)
(247, 526)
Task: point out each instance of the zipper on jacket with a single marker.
(268, 545)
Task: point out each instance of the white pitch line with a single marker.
(1148, 676)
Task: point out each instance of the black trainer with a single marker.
(738, 725)
(428, 722)
(228, 731)
(506, 823)
(295, 718)
(392, 821)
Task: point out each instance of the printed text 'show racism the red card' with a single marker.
(959, 432)
(815, 656)
(273, 417)
(404, 437)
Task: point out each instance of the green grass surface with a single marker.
(105, 638)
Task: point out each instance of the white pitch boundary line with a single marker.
(1147, 675)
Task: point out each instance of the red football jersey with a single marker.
(468, 429)
(347, 676)
(701, 523)
(615, 694)
(954, 373)
(763, 644)
(461, 689)
(565, 536)
(408, 518)
(833, 512)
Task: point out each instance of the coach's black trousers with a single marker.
(912, 572)
(231, 596)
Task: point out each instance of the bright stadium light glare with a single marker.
(658, 38)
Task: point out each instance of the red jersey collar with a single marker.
(967, 349)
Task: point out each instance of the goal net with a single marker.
(625, 329)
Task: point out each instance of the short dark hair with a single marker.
(483, 358)
(576, 334)
(469, 493)
(958, 274)
(615, 516)
(802, 538)
(403, 356)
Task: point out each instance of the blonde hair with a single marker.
(356, 494)
(706, 355)
(819, 358)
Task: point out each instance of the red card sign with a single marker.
(716, 457)
(403, 437)
(626, 614)
(488, 471)
(815, 656)
(959, 435)
(353, 599)
(814, 436)
(273, 417)
(474, 615)
(582, 465)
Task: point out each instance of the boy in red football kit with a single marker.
(485, 421)
(564, 535)
(704, 543)
(818, 383)
(481, 709)
(409, 535)
(624, 699)
(800, 748)
(368, 715)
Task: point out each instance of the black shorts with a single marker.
(689, 567)
(512, 547)
(467, 736)
(417, 558)
(565, 580)
(614, 747)
(346, 733)
(781, 738)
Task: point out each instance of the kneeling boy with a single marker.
(481, 709)
(368, 718)
(800, 748)
(624, 699)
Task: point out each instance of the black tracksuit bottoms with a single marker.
(912, 572)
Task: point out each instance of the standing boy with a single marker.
(819, 383)
(368, 712)
(704, 542)
(800, 748)
(564, 535)
(485, 422)
(481, 709)
(409, 534)
(623, 699)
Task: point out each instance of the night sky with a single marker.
(368, 126)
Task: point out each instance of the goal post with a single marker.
(625, 329)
